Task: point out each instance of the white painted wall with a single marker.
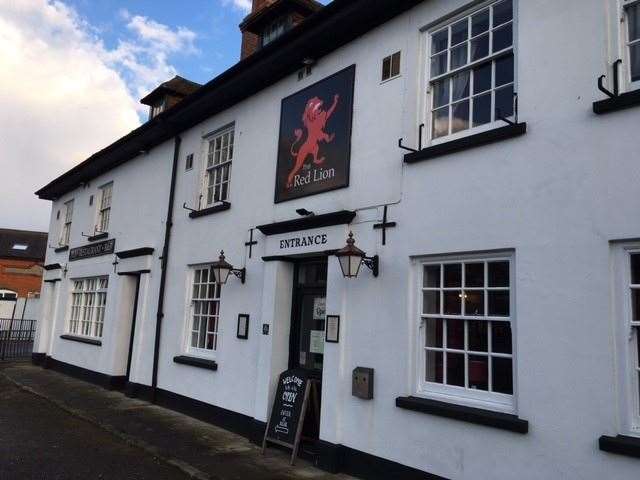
(555, 196)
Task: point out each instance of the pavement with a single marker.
(56, 427)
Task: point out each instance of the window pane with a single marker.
(455, 369)
(431, 301)
(479, 47)
(441, 122)
(502, 12)
(474, 275)
(459, 56)
(474, 302)
(480, 23)
(432, 276)
(482, 109)
(504, 71)
(502, 38)
(459, 32)
(499, 303)
(440, 41)
(479, 372)
(635, 269)
(452, 302)
(461, 86)
(434, 367)
(455, 334)
(504, 102)
(478, 336)
(633, 14)
(501, 337)
(439, 64)
(440, 93)
(635, 300)
(386, 68)
(434, 332)
(453, 275)
(460, 116)
(482, 78)
(635, 62)
(502, 375)
(395, 64)
(498, 274)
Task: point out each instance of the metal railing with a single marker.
(16, 338)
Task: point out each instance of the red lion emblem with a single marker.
(314, 120)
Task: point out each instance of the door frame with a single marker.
(296, 302)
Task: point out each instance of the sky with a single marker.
(72, 73)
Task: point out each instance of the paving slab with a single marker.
(195, 448)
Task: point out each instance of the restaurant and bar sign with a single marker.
(314, 149)
(95, 250)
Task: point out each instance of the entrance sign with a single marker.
(289, 410)
(103, 248)
(314, 149)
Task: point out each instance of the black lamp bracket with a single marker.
(373, 264)
(420, 136)
(616, 81)
(184, 205)
(241, 273)
(515, 112)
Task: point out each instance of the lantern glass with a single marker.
(221, 274)
(350, 265)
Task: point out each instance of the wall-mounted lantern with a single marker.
(222, 269)
(351, 259)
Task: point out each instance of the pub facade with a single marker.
(425, 206)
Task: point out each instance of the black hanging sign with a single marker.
(289, 410)
(314, 149)
(95, 250)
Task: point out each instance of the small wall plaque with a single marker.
(243, 326)
(332, 331)
(265, 329)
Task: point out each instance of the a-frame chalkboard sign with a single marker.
(289, 411)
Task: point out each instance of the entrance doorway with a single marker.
(306, 349)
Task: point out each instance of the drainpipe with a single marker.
(163, 268)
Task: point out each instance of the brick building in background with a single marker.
(21, 258)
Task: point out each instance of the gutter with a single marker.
(163, 267)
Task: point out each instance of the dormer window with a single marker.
(274, 30)
(156, 109)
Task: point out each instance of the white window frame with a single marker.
(626, 43)
(104, 208)
(449, 393)
(390, 58)
(217, 169)
(65, 233)
(87, 306)
(627, 341)
(193, 310)
(427, 81)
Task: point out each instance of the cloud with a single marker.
(244, 5)
(64, 95)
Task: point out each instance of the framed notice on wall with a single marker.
(332, 330)
(314, 149)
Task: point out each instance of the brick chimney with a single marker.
(270, 18)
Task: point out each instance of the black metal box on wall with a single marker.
(362, 383)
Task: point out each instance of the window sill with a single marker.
(488, 418)
(62, 249)
(465, 143)
(88, 341)
(626, 100)
(621, 445)
(99, 236)
(196, 362)
(210, 211)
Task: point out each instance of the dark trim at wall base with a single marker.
(341, 459)
(621, 445)
(223, 418)
(135, 252)
(38, 358)
(621, 102)
(110, 382)
(342, 217)
(466, 143)
(196, 362)
(88, 341)
(224, 206)
(478, 416)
